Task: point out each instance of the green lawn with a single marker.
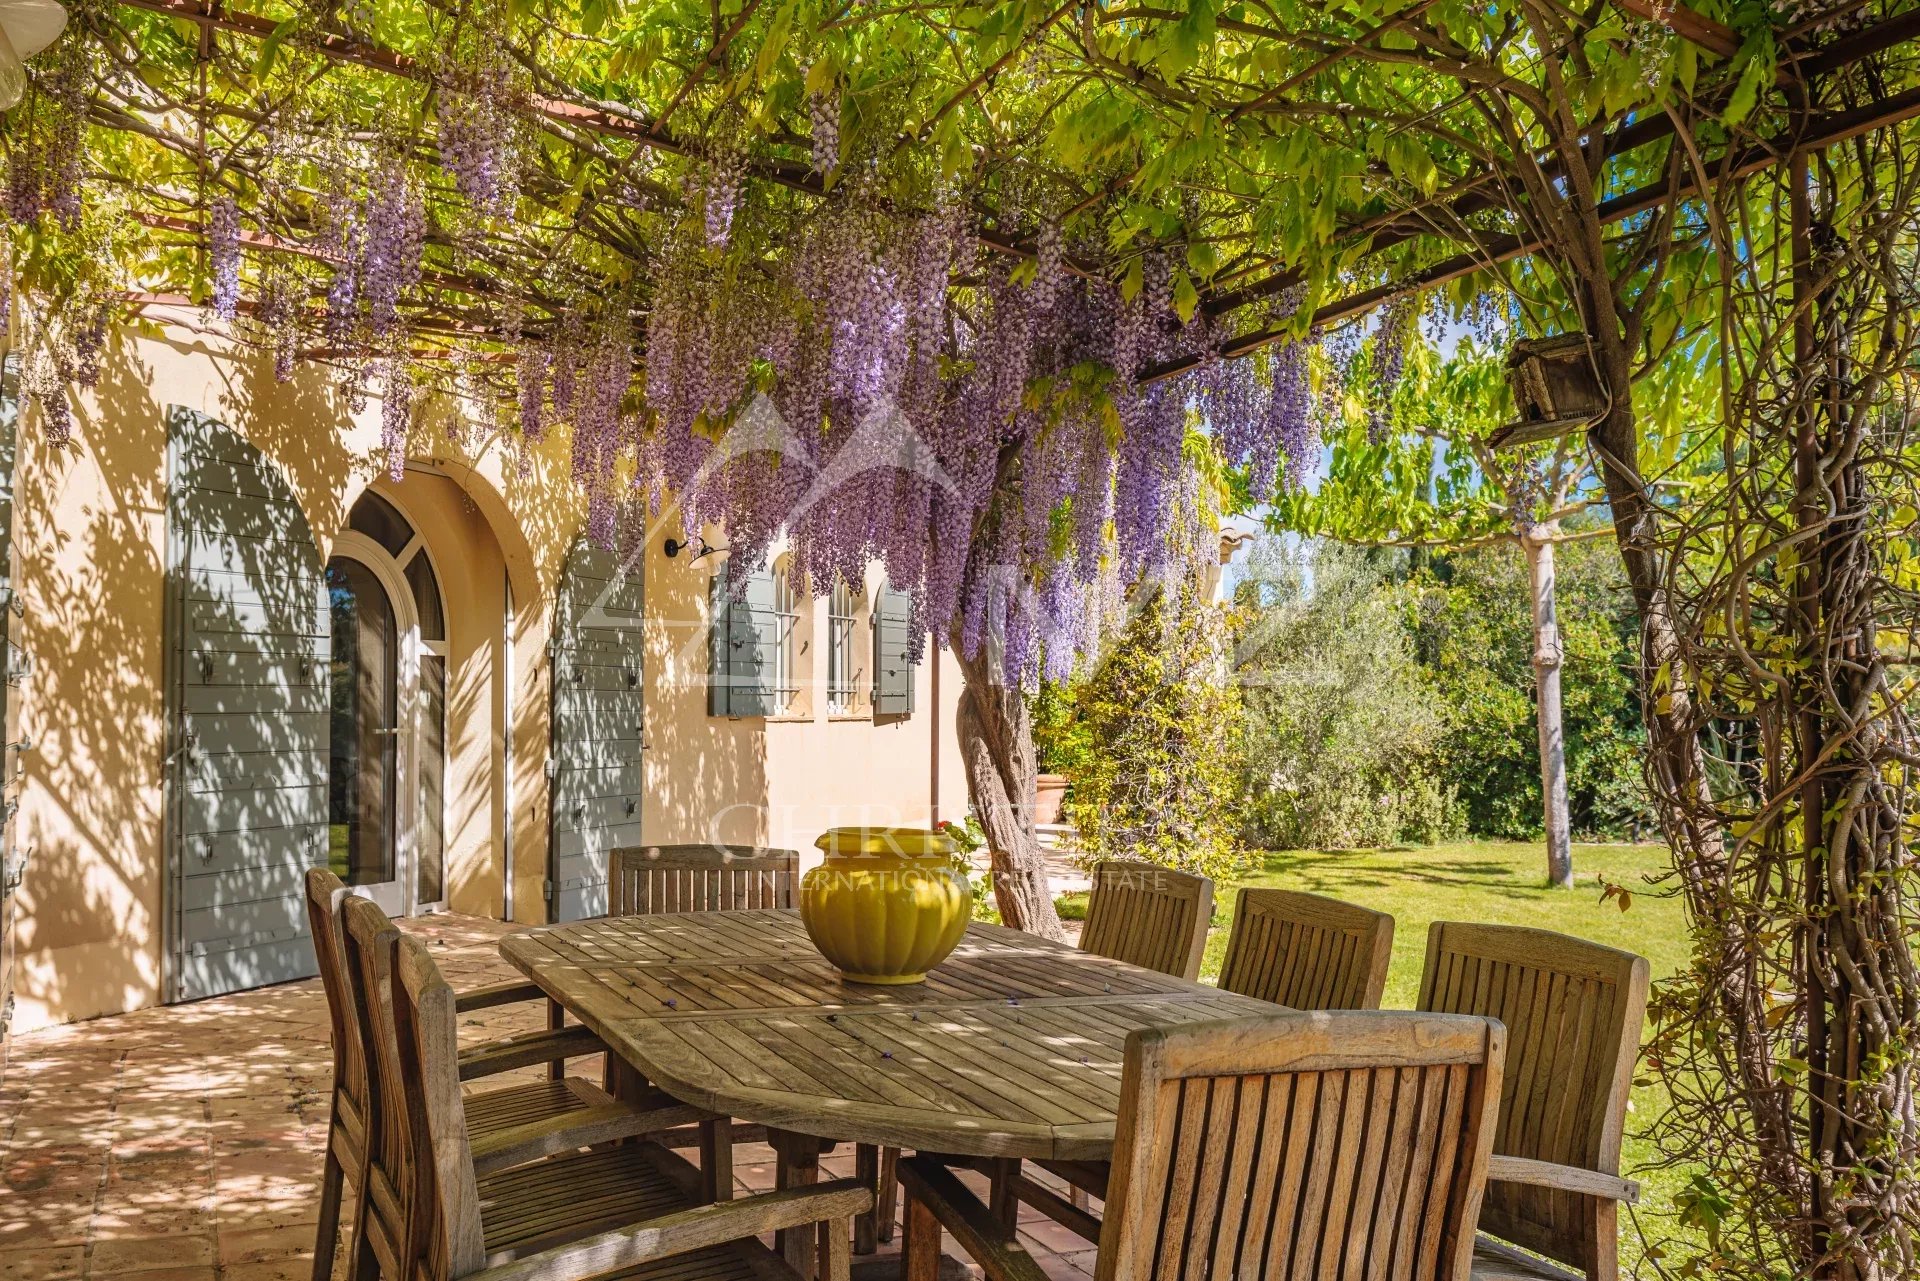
(1502, 882)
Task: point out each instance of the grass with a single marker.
(1501, 882)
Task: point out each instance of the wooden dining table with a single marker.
(1011, 1049)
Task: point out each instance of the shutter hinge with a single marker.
(552, 767)
(16, 869)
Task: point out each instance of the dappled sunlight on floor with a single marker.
(184, 1143)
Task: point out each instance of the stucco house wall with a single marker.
(91, 525)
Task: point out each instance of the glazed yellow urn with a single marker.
(888, 904)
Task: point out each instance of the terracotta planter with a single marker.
(1049, 797)
(888, 904)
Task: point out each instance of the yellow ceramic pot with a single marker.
(888, 904)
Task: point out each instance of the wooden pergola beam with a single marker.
(1820, 132)
(604, 119)
(1796, 64)
(1694, 28)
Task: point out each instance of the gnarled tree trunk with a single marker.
(996, 746)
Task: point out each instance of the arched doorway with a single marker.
(387, 711)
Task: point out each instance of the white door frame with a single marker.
(358, 547)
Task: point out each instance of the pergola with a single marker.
(645, 219)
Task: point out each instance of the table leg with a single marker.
(716, 1160)
(1003, 1199)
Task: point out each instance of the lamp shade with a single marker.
(31, 25)
(26, 27)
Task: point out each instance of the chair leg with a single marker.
(835, 1265)
(796, 1165)
(556, 1019)
(866, 1227)
(362, 1264)
(887, 1197)
(920, 1247)
(326, 1233)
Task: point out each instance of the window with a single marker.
(844, 691)
(786, 656)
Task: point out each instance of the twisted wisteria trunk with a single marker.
(996, 746)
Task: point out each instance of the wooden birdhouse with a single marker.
(1555, 387)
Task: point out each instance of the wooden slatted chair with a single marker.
(1574, 1011)
(1148, 916)
(385, 1167)
(654, 879)
(1307, 952)
(347, 1126)
(1347, 1145)
(649, 879)
(552, 1200)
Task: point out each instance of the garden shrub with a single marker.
(1343, 729)
(1158, 721)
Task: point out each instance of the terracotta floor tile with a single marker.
(42, 1263)
(111, 1256)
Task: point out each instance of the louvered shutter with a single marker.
(745, 633)
(248, 636)
(599, 726)
(13, 855)
(892, 672)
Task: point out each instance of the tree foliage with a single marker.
(1160, 722)
(1344, 729)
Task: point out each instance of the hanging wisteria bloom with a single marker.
(395, 234)
(65, 169)
(478, 120)
(823, 130)
(223, 254)
(396, 415)
(1397, 321)
(280, 298)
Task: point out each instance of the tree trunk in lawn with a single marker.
(1538, 544)
(996, 746)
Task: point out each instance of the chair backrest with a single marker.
(429, 1058)
(395, 1136)
(1574, 1010)
(1307, 952)
(1148, 916)
(649, 879)
(325, 893)
(1347, 1145)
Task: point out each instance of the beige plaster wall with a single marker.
(92, 530)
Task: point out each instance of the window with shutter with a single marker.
(598, 726)
(892, 644)
(743, 673)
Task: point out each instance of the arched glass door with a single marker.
(387, 712)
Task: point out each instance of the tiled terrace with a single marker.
(184, 1143)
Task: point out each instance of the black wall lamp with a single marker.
(675, 546)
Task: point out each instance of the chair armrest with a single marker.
(583, 1128)
(978, 1231)
(694, 1229)
(1565, 1178)
(496, 994)
(525, 1049)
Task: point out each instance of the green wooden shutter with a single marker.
(599, 726)
(745, 631)
(247, 643)
(13, 855)
(892, 636)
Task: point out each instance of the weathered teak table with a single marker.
(1010, 1049)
